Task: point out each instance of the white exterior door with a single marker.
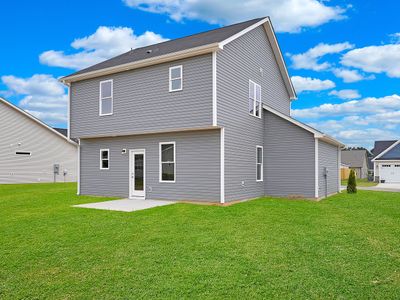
(137, 173)
(390, 172)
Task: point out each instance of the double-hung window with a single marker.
(106, 98)
(255, 99)
(104, 159)
(167, 162)
(175, 79)
(259, 163)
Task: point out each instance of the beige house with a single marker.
(31, 151)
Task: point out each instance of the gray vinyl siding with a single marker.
(328, 157)
(197, 166)
(289, 159)
(20, 133)
(142, 101)
(238, 62)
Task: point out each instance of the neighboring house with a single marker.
(387, 161)
(29, 149)
(200, 118)
(357, 160)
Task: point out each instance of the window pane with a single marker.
(251, 106)
(104, 154)
(258, 92)
(106, 106)
(176, 73)
(258, 171)
(106, 89)
(104, 164)
(167, 171)
(176, 84)
(259, 155)
(167, 152)
(258, 108)
(251, 90)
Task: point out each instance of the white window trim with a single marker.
(170, 79)
(112, 97)
(255, 100)
(262, 163)
(101, 159)
(160, 162)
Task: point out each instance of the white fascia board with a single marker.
(330, 140)
(316, 133)
(143, 63)
(266, 22)
(387, 150)
(37, 121)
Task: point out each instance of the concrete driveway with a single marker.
(384, 187)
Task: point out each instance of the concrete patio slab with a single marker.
(127, 205)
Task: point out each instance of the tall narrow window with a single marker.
(255, 106)
(175, 79)
(104, 159)
(106, 98)
(259, 163)
(167, 162)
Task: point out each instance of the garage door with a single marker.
(390, 172)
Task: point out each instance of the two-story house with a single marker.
(200, 118)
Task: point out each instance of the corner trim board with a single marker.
(78, 169)
(316, 158)
(222, 199)
(214, 88)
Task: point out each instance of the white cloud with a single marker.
(311, 84)
(351, 75)
(357, 122)
(310, 59)
(286, 15)
(370, 105)
(375, 59)
(395, 38)
(105, 43)
(41, 95)
(346, 94)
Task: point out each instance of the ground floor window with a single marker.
(167, 162)
(259, 163)
(104, 159)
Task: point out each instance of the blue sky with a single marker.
(343, 56)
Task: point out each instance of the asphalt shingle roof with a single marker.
(354, 158)
(381, 146)
(171, 46)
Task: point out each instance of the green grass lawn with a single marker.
(346, 247)
(362, 182)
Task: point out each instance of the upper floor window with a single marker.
(255, 99)
(175, 79)
(106, 98)
(104, 159)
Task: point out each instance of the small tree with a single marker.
(351, 183)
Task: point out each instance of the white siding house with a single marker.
(29, 149)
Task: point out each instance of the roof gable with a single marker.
(392, 152)
(381, 146)
(37, 121)
(193, 45)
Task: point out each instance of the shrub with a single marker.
(351, 183)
